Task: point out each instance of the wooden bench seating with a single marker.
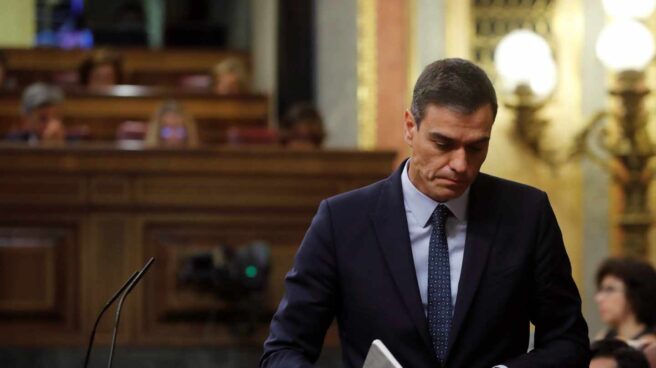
(140, 66)
(102, 112)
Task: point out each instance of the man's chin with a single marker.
(446, 194)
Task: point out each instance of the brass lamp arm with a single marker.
(589, 142)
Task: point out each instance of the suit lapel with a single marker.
(482, 220)
(391, 228)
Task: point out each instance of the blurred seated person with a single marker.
(613, 353)
(237, 136)
(171, 126)
(302, 127)
(6, 82)
(626, 298)
(40, 115)
(131, 133)
(101, 69)
(230, 77)
(3, 70)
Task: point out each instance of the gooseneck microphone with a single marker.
(120, 305)
(123, 291)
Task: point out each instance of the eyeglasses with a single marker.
(168, 132)
(609, 290)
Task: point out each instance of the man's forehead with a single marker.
(459, 109)
(470, 137)
(444, 119)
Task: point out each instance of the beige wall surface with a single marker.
(17, 23)
(336, 70)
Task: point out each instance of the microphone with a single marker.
(120, 305)
(129, 284)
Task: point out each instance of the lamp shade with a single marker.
(625, 44)
(629, 8)
(524, 57)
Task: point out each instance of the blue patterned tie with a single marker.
(439, 283)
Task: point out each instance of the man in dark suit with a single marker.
(445, 265)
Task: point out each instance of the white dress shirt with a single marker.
(418, 210)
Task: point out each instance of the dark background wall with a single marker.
(296, 53)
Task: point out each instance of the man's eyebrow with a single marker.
(442, 137)
(481, 140)
(439, 136)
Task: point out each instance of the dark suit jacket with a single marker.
(355, 263)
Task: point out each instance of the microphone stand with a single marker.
(120, 305)
(129, 284)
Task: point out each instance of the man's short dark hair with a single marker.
(606, 347)
(639, 279)
(455, 83)
(624, 355)
(631, 358)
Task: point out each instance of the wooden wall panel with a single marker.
(92, 215)
(34, 258)
(43, 189)
(112, 257)
(176, 309)
(233, 191)
(39, 294)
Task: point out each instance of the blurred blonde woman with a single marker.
(230, 77)
(171, 126)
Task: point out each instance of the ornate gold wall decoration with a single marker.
(493, 19)
(367, 68)
(561, 24)
(651, 108)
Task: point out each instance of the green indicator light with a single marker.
(251, 271)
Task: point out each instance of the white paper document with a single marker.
(380, 357)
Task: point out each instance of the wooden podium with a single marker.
(76, 221)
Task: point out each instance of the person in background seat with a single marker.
(171, 126)
(626, 298)
(230, 77)
(40, 115)
(3, 70)
(613, 353)
(302, 127)
(103, 68)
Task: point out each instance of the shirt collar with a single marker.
(423, 206)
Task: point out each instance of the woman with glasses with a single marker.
(172, 127)
(626, 298)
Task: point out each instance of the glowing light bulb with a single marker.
(625, 44)
(524, 58)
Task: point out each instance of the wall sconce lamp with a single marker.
(525, 64)
(617, 139)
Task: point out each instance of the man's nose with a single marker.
(458, 162)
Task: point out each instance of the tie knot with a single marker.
(440, 214)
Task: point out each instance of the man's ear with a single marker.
(409, 127)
